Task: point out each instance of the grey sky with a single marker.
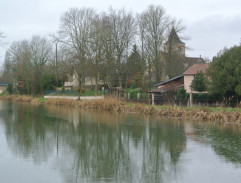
(211, 25)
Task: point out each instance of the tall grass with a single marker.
(112, 104)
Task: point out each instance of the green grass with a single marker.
(4, 94)
(160, 107)
(131, 104)
(42, 100)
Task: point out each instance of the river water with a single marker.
(49, 144)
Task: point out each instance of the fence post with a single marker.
(138, 96)
(125, 96)
(128, 95)
(153, 99)
(191, 100)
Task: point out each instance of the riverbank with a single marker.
(211, 114)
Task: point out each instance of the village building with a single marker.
(175, 45)
(182, 81)
(192, 65)
(90, 83)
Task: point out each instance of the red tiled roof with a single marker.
(195, 68)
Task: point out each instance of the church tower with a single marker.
(174, 43)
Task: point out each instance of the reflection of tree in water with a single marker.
(225, 140)
(29, 131)
(131, 152)
(101, 147)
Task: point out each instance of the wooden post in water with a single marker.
(152, 99)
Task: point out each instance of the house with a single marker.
(183, 80)
(190, 73)
(73, 84)
(171, 84)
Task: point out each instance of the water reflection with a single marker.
(225, 140)
(107, 147)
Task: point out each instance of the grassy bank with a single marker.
(212, 114)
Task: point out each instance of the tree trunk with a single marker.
(120, 81)
(79, 89)
(96, 84)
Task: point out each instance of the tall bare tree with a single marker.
(20, 58)
(123, 33)
(7, 75)
(96, 53)
(41, 52)
(25, 60)
(75, 26)
(153, 25)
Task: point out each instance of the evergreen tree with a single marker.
(224, 75)
(135, 68)
(198, 83)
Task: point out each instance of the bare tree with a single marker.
(153, 25)
(7, 75)
(75, 32)
(41, 52)
(108, 70)
(96, 53)
(20, 58)
(25, 61)
(123, 32)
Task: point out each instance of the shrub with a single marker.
(48, 82)
(10, 88)
(182, 94)
(144, 96)
(133, 93)
(198, 83)
(203, 96)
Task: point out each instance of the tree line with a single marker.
(115, 47)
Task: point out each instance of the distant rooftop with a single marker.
(172, 79)
(195, 68)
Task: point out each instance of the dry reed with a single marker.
(112, 104)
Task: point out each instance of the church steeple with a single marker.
(174, 43)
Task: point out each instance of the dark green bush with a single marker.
(144, 96)
(203, 96)
(48, 82)
(182, 94)
(133, 93)
(10, 88)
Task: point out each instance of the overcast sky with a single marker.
(211, 24)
